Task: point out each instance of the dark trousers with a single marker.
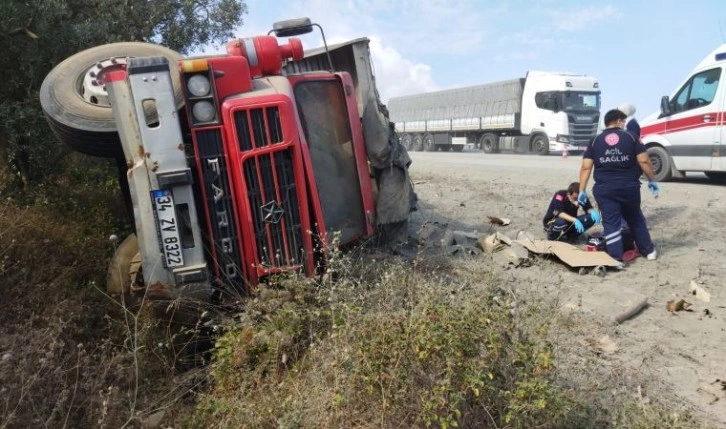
(562, 230)
(616, 205)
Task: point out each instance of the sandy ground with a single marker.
(684, 351)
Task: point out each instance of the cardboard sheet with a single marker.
(569, 254)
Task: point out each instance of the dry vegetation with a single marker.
(380, 341)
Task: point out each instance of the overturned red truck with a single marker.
(238, 166)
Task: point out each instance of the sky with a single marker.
(638, 50)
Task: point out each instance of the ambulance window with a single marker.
(699, 91)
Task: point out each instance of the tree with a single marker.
(37, 34)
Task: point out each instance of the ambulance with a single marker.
(688, 134)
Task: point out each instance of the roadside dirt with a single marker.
(682, 352)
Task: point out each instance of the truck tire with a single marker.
(81, 117)
(541, 144)
(489, 143)
(428, 143)
(406, 141)
(417, 143)
(661, 162)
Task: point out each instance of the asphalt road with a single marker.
(526, 164)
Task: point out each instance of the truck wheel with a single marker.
(417, 143)
(541, 145)
(75, 101)
(489, 143)
(406, 141)
(428, 142)
(661, 162)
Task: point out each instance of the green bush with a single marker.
(387, 344)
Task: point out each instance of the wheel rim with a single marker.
(92, 85)
(657, 164)
(428, 143)
(406, 141)
(417, 143)
(539, 144)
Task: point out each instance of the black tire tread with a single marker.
(84, 127)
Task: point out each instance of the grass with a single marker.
(395, 343)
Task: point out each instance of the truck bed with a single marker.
(491, 105)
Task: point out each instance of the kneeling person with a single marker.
(561, 221)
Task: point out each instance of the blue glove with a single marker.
(582, 198)
(579, 227)
(595, 216)
(654, 188)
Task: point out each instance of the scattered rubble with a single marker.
(699, 292)
(680, 305)
(631, 311)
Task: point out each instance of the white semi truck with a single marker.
(539, 113)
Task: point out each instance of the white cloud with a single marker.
(582, 18)
(397, 75)
(393, 27)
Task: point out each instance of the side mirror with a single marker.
(296, 27)
(665, 106)
(292, 27)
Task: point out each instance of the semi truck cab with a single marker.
(563, 107)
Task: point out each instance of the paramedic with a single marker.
(561, 222)
(618, 160)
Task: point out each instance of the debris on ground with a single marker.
(515, 254)
(680, 305)
(631, 311)
(605, 345)
(699, 292)
(494, 242)
(494, 220)
(504, 251)
(571, 255)
(434, 234)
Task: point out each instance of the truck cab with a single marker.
(688, 132)
(237, 167)
(562, 108)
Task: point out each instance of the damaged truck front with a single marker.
(238, 166)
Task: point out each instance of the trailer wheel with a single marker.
(428, 142)
(489, 143)
(417, 143)
(406, 141)
(541, 144)
(661, 162)
(75, 101)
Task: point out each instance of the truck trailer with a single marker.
(541, 112)
(237, 167)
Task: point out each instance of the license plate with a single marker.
(169, 241)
